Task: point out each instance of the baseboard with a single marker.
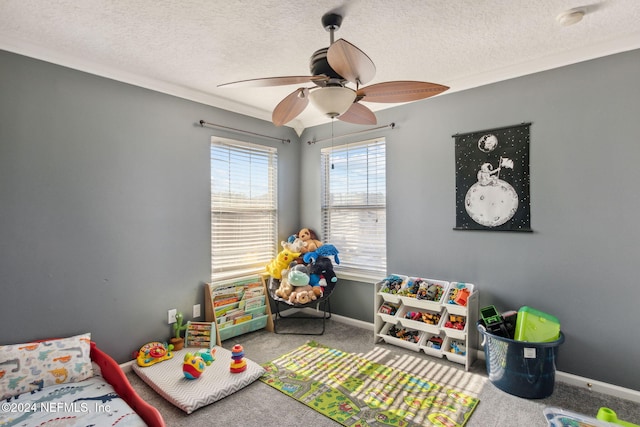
(342, 319)
(126, 366)
(599, 386)
(571, 379)
(352, 322)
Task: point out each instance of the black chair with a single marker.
(281, 304)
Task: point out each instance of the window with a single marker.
(354, 210)
(243, 207)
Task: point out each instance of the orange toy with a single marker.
(462, 296)
(238, 364)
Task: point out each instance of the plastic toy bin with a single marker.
(536, 326)
(523, 369)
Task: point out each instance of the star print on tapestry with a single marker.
(492, 179)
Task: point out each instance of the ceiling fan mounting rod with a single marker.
(331, 22)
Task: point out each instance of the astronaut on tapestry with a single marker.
(491, 201)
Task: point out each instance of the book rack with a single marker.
(237, 307)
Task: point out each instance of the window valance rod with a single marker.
(203, 123)
(390, 125)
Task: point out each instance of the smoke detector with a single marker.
(570, 17)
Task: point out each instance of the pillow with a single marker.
(32, 366)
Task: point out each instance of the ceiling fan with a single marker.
(332, 68)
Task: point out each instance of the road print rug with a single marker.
(357, 392)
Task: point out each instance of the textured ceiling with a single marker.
(188, 47)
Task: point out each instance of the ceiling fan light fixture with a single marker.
(332, 101)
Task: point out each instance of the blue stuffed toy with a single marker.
(325, 250)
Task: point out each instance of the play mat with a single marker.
(355, 391)
(216, 382)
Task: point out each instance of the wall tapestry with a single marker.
(492, 179)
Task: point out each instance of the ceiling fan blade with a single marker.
(358, 114)
(275, 81)
(289, 108)
(400, 91)
(350, 62)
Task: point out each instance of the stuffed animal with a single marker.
(322, 272)
(317, 281)
(302, 295)
(305, 297)
(298, 275)
(325, 250)
(281, 262)
(310, 238)
(285, 289)
(294, 244)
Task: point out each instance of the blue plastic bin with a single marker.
(524, 369)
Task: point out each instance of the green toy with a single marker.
(178, 327)
(490, 315)
(606, 414)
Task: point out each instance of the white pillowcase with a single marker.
(32, 366)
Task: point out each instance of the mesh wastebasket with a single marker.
(524, 369)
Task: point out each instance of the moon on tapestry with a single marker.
(491, 205)
(487, 143)
(492, 180)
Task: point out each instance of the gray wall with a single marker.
(580, 263)
(104, 204)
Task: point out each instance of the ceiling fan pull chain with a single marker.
(332, 120)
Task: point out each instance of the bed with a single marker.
(68, 381)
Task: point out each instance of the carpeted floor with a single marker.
(259, 405)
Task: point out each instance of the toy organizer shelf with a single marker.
(237, 307)
(420, 324)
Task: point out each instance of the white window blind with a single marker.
(354, 207)
(243, 207)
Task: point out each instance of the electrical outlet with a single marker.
(172, 315)
(196, 310)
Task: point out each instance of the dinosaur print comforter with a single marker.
(92, 402)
